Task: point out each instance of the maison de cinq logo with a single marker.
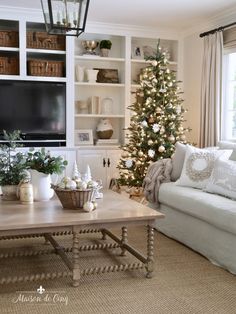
(41, 296)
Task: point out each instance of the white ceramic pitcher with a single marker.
(41, 185)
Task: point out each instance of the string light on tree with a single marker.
(156, 121)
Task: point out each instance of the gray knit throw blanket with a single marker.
(157, 173)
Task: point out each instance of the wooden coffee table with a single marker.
(49, 219)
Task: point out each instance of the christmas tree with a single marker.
(156, 122)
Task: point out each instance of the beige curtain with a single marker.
(211, 90)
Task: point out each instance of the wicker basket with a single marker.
(38, 67)
(9, 38)
(9, 65)
(74, 199)
(41, 40)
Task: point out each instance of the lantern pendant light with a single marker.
(65, 17)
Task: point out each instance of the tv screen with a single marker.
(37, 109)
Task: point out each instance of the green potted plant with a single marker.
(42, 165)
(12, 165)
(105, 46)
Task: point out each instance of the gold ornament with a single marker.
(150, 142)
(171, 138)
(140, 153)
(151, 120)
(161, 149)
(158, 110)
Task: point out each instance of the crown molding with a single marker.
(132, 30)
(225, 17)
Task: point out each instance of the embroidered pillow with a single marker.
(223, 178)
(198, 166)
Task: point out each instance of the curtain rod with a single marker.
(221, 28)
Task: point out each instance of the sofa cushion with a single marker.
(198, 165)
(228, 145)
(214, 209)
(178, 161)
(223, 179)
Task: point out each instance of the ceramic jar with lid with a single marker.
(104, 129)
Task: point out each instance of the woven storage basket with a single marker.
(9, 65)
(9, 38)
(41, 40)
(74, 199)
(38, 67)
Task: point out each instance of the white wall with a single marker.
(193, 51)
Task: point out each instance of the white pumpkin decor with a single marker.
(104, 129)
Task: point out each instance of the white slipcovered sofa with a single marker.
(203, 221)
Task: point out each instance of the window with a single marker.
(228, 125)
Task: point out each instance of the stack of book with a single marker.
(111, 141)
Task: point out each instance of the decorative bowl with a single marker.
(89, 46)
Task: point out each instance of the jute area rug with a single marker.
(184, 282)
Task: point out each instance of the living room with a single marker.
(64, 94)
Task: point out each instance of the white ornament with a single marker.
(151, 153)
(154, 63)
(161, 149)
(129, 163)
(181, 128)
(155, 127)
(66, 181)
(73, 185)
(88, 206)
(144, 123)
(82, 185)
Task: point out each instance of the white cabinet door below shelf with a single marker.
(95, 161)
(112, 171)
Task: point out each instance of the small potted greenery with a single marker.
(42, 165)
(105, 46)
(12, 165)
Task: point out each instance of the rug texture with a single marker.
(184, 281)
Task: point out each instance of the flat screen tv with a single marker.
(37, 109)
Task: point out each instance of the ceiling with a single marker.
(178, 14)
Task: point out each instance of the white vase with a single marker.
(91, 75)
(104, 52)
(79, 72)
(41, 186)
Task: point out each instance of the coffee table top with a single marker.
(112, 208)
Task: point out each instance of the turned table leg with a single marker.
(150, 252)
(124, 240)
(75, 250)
(104, 237)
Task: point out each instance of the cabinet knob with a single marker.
(108, 162)
(104, 162)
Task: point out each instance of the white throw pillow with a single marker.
(178, 161)
(198, 166)
(223, 178)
